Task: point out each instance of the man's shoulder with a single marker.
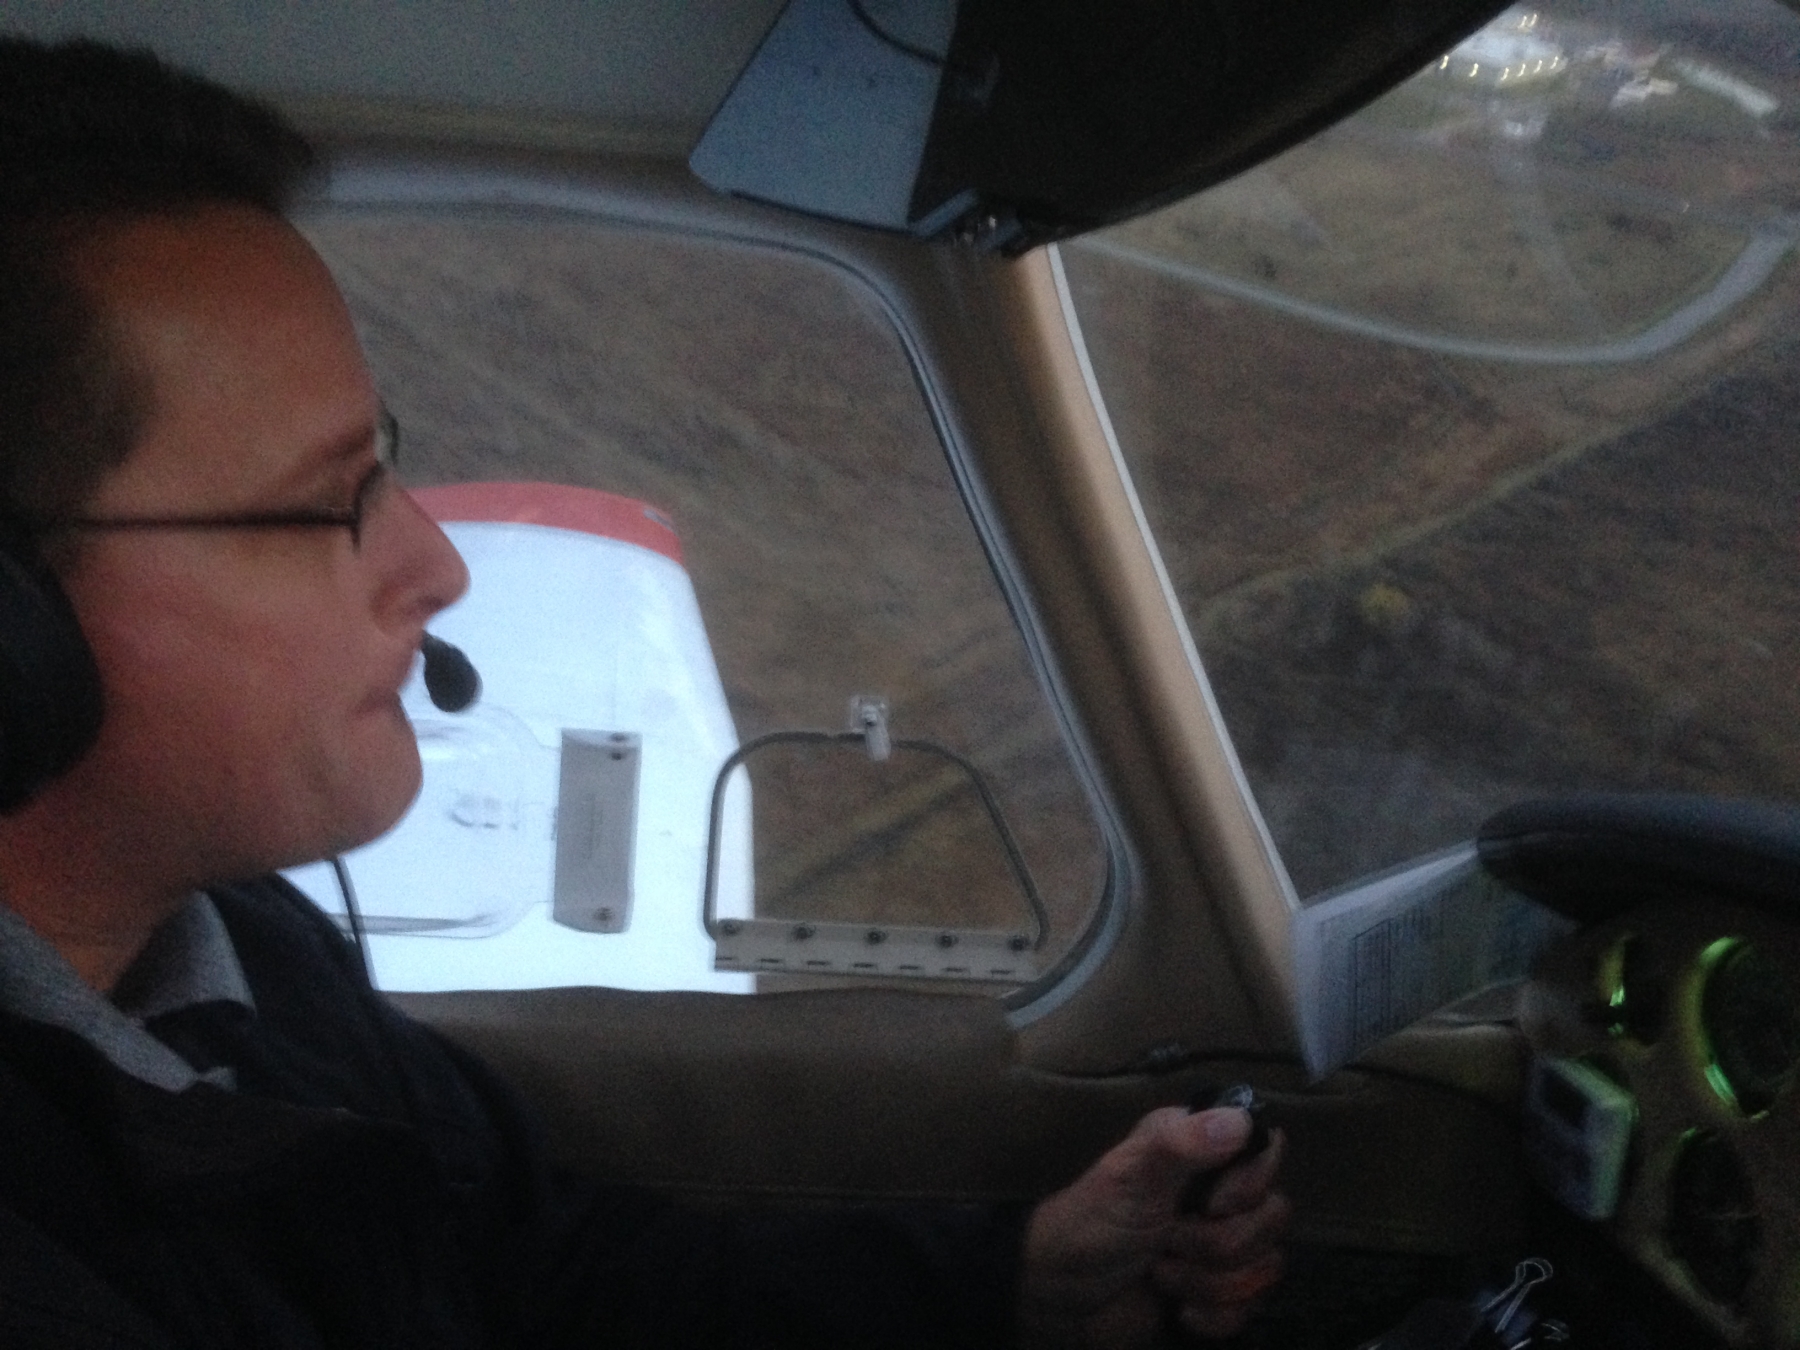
(324, 1032)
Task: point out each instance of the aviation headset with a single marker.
(50, 698)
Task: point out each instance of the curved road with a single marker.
(1769, 244)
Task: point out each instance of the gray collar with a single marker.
(188, 960)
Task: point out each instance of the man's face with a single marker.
(251, 676)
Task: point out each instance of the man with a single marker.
(217, 1133)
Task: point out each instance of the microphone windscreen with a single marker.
(450, 677)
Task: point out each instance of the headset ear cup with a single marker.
(50, 698)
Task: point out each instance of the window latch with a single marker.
(869, 718)
(771, 946)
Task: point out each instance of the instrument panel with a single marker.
(1690, 1009)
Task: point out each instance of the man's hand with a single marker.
(1109, 1261)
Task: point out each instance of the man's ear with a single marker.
(50, 698)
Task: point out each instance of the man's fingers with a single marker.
(1196, 1140)
(1150, 1168)
(1233, 1239)
(1197, 1286)
(1244, 1184)
(1112, 1242)
(1146, 1171)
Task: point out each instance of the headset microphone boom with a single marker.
(450, 677)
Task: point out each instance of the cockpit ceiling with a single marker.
(1101, 113)
(535, 70)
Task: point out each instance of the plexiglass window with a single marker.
(1466, 429)
(702, 501)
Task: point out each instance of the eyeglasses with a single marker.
(387, 454)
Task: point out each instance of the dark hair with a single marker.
(91, 135)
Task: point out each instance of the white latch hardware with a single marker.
(807, 947)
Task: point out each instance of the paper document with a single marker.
(1383, 953)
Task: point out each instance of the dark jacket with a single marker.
(369, 1185)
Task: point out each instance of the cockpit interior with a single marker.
(1034, 562)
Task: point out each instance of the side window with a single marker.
(702, 500)
(1466, 429)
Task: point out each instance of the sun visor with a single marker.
(1008, 125)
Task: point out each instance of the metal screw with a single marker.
(946, 940)
(604, 914)
(731, 928)
(802, 931)
(1018, 943)
(876, 937)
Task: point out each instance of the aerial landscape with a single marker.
(1465, 431)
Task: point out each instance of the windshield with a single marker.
(1466, 429)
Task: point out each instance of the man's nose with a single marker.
(423, 572)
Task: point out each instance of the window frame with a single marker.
(644, 194)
